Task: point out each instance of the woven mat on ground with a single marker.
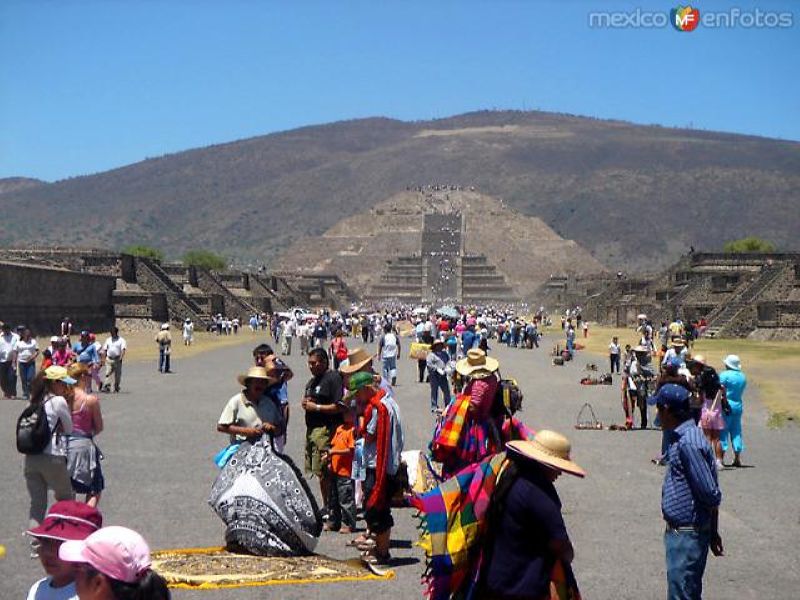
(215, 568)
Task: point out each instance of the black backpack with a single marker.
(33, 430)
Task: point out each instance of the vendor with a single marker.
(249, 414)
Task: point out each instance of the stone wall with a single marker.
(40, 297)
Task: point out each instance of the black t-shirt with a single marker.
(325, 389)
(521, 560)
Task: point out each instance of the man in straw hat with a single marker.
(690, 495)
(527, 534)
(734, 382)
(249, 414)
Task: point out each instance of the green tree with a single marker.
(144, 252)
(749, 244)
(204, 259)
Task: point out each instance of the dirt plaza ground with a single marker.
(160, 437)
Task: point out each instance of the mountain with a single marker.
(13, 184)
(635, 196)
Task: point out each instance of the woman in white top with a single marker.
(48, 470)
(27, 353)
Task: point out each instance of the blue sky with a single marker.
(89, 86)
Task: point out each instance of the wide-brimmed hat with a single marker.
(356, 359)
(676, 341)
(164, 326)
(476, 360)
(549, 448)
(698, 359)
(117, 552)
(252, 373)
(68, 520)
(732, 361)
(641, 348)
(437, 344)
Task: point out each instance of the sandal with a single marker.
(377, 563)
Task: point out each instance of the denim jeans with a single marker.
(686, 551)
(163, 360)
(438, 382)
(26, 372)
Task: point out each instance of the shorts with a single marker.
(379, 519)
(318, 440)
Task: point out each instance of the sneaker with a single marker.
(720, 466)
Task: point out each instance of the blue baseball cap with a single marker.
(672, 396)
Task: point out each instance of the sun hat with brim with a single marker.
(697, 359)
(117, 552)
(252, 373)
(476, 360)
(678, 342)
(641, 348)
(732, 361)
(358, 382)
(56, 373)
(437, 344)
(355, 361)
(68, 520)
(550, 449)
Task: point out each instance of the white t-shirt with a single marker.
(613, 348)
(389, 347)
(57, 411)
(188, 330)
(42, 590)
(26, 350)
(8, 344)
(113, 348)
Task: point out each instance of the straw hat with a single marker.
(252, 373)
(476, 360)
(549, 448)
(356, 359)
(437, 344)
(641, 348)
(678, 341)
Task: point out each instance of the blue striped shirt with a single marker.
(690, 488)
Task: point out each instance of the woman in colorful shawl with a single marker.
(471, 429)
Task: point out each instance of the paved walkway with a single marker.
(161, 436)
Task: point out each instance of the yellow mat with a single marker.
(215, 568)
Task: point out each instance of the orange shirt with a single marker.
(343, 439)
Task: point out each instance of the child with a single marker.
(342, 491)
(65, 521)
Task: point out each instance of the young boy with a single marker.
(342, 504)
(66, 520)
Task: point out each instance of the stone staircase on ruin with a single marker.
(152, 278)
(209, 282)
(724, 315)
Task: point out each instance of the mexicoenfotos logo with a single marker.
(685, 18)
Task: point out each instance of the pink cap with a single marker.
(117, 552)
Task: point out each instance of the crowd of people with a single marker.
(505, 537)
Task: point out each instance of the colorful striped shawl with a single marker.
(453, 519)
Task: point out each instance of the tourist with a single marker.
(383, 445)
(711, 394)
(188, 332)
(66, 328)
(690, 496)
(613, 354)
(389, 350)
(437, 362)
(86, 353)
(8, 361)
(478, 433)
(734, 383)
(302, 336)
(585, 329)
(48, 469)
(527, 536)
(279, 374)
(83, 455)
(674, 373)
(113, 563)
(339, 460)
(287, 333)
(249, 414)
(322, 401)
(422, 365)
(63, 355)
(66, 520)
(114, 349)
(27, 353)
(570, 333)
(164, 341)
(261, 353)
(338, 349)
